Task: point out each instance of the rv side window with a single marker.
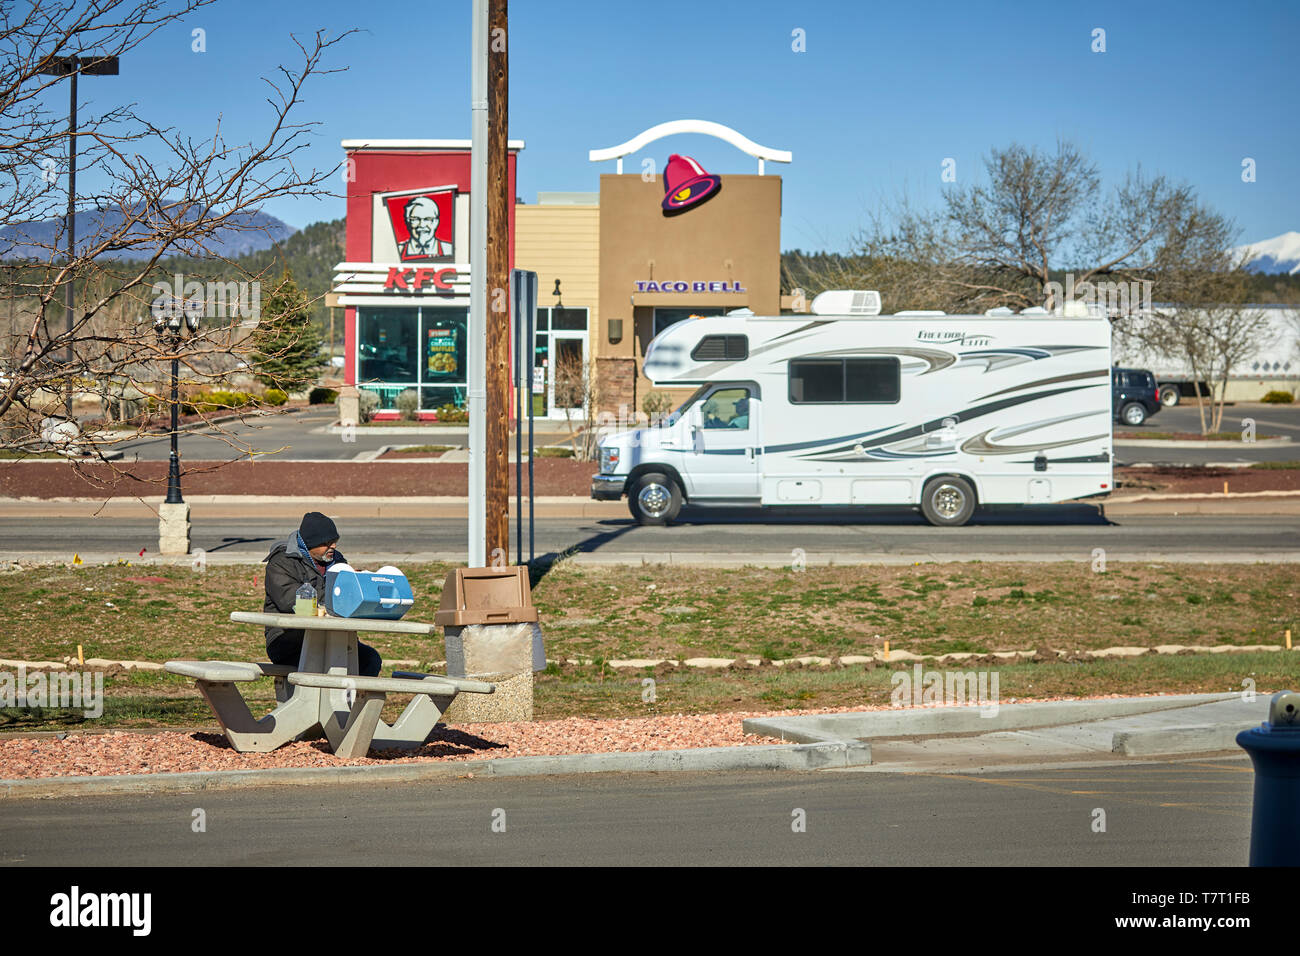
(839, 381)
(721, 348)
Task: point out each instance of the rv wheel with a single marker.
(948, 502)
(655, 499)
(1169, 396)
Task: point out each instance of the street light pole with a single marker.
(72, 230)
(73, 66)
(172, 319)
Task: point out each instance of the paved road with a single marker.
(1279, 420)
(1067, 531)
(296, 436)
(1171, 814)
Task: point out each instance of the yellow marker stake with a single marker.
(1288, 639)
(886, 650)
(1225, 487)
(81, 659)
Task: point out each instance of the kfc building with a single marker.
(615, 268)
(406, 282)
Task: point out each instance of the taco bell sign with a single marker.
(678, 286)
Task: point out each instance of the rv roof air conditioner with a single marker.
(846, 302)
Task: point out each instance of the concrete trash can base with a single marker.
(503, 654)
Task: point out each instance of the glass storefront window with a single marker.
(386, 345)
(569, 320)
(425, 348)
(666, 317)
(444, 337)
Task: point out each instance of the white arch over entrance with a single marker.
(706, 127)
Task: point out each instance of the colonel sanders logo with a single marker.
(422, 226)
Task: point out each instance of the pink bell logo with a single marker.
(687, 185)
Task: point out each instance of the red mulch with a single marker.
(61, 479)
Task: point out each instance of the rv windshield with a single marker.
(676, 414)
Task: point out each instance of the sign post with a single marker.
(476, 347)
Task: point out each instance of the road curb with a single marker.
(761, 757)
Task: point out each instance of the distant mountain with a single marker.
(248, 233)
(1281, 254)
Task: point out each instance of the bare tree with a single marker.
(1008, 241)
(160, 193)
(1203, 321)
(576, 389)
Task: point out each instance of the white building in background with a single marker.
(1274, 362)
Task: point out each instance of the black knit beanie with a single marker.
(316, 529)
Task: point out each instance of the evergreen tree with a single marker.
(286, 344)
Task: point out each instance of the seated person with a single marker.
(304, 558)
(742, 414)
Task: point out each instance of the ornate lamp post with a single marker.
(172, 320)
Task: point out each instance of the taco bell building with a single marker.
(615, 267)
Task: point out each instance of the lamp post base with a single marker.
(174, 528)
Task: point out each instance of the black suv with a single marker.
(1134, 395)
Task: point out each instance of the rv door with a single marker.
(723, 458)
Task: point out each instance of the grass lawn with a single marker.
(156, 614)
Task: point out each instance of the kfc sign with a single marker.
(422, 224)
(415, 280)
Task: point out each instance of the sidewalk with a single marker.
(974, 738)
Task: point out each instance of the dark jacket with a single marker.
(288, 566)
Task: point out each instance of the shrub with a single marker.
(408, 403)
(1278, 397)
(451, 413)
(274, 396)
(656, 405)
(322, 396)
(368, 404)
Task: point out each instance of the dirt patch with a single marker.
(1200, 480)
(63, 479)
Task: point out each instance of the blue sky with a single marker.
(882, 95)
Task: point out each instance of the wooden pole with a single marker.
(497, 517)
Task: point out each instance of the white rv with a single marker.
(945, 413)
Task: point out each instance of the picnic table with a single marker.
(325, 694)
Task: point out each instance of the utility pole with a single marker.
(497, 518)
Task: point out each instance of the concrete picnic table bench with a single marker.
(325, 693)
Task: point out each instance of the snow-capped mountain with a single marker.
(1279, 254)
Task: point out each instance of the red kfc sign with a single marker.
(415, 280)
(422, 225)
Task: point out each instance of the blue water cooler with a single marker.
(384, 594)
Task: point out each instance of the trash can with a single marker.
(492, 633)
(1274, 749)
